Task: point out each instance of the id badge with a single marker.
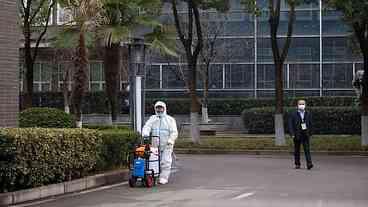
(304, 126)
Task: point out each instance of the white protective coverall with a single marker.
(164, 126)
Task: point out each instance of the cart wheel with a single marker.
(132, 181)
(149, 181)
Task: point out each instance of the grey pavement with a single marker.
(241, 180)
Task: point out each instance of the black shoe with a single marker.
(310, 166)
(297, 166)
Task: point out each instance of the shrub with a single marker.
(32, 157)
(235, 106)
(39, 156)
(106, 127)
(45, 118)
(96, 102)
(116, 144)
(326, 120)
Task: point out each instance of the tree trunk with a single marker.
(112, 65)
(279, 121)
(80, 79)
(364, 100)
(66, 94)
(194, 105)
(205, 97)
(29, 63)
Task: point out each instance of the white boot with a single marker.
(163, 181)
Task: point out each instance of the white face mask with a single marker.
(301, 107)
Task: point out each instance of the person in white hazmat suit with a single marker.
(164, 126)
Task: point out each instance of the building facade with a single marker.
(321, 61)
(9, 58)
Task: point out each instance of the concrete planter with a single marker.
(63, 188)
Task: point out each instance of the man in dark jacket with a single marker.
(300, 129)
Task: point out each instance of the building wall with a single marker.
(320, 61)
(8, 63)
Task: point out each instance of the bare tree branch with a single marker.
(289, 32)
(177, 21)
(37, 10)
(44, 29)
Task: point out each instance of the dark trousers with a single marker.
(302, 140)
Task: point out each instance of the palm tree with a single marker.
(120, 18)
(85, 15)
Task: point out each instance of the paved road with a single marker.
(242, 180)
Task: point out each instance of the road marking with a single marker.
(244, 195)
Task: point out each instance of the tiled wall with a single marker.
(9, 56)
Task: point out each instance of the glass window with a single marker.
(240, 50)
(97, 76)
(333, 24)
(336, 49)
(266, 76)
(64, 16)
(46, 72)
(339, 93)
(172, 77)
(239, 76)
(239, 24)
(153, 77)
(301, 49)
(304, 75)
(306, 23)
(311, 4)
(337, 75)
(37, 72)
(42, 73)
(304, 49)
(96, 71)
(216, 76)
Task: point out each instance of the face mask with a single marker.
(160, 113)
(301, 107)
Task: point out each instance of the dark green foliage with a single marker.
(45, 118)
(39, 156)
(96, 102)
(236, 106)
(33, 157)
(326, 120)
(106, 127)
(116, 144)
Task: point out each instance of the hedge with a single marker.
(32, 157)
(116, 144)
(93, 102)
(40, 156)
(326, 120)
(45, 118)
(237, 105)
(96, 102)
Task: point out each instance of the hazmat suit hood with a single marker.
(163, 105)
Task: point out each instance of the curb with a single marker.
(82, 184)
(267, 152)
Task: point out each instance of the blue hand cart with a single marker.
(144, 162)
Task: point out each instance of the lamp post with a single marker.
(137, 74)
